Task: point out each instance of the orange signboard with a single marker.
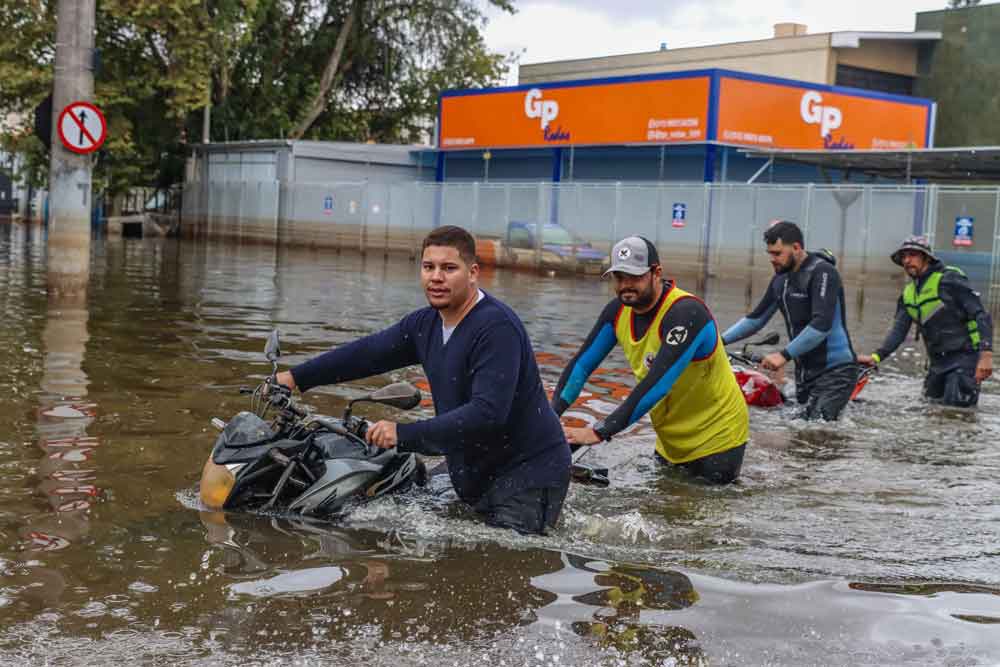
(654, 111)
(772, 114)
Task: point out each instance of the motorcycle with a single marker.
(758, 389)
(301, 463)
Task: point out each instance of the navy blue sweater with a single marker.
(494, 423)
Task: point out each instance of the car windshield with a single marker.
(557, 236)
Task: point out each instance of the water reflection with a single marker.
(414, 590)
(66, 472)
(631, 590)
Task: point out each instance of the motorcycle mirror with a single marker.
(272, 350)
(402, 395)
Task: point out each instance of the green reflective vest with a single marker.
(926, 305)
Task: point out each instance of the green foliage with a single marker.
(398, 58)
(260, 61)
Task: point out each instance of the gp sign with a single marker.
(82, 128)
(814, 112)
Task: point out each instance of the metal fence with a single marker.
(715, 228)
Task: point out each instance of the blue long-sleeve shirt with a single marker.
(493, 422)
(667, 366)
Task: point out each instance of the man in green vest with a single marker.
(956, 329)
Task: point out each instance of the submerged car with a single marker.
(557, 249)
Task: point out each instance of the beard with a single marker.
(637, 299)
(786, 267)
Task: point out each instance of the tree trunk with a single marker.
(318, 103)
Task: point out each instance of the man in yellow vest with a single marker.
(685, 383)
(957, 330)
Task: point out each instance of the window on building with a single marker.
(870, 79)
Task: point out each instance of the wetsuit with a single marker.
(811, 300)
(684, 379)
(506, 452)
(955, 328)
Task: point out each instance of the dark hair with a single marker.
(784, 231)
(453, 237)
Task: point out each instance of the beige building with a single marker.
(883, 61)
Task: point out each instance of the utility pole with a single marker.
(70, 174)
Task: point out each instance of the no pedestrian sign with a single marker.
(82, 128)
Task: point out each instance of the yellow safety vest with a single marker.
(705, 412)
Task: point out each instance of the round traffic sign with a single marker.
(82, 127)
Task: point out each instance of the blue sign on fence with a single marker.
(328, 205)
(679, 215)
(963, 231)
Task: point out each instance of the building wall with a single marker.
(314, 170)
(963, 74)
(882, 55)
(806, 58)
(241, 165)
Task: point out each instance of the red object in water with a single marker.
(862, 381)
(758, 389)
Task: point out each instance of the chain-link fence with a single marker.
(714, 228)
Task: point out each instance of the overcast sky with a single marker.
(544, 30)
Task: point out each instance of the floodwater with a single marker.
(870, 541)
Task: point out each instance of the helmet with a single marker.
(918, 243)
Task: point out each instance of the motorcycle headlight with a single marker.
(216, 483)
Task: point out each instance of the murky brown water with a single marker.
(872, 541)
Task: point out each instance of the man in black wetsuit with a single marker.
(956, 329)
(806, 288)
(506, 452)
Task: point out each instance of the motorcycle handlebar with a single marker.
(750, 358)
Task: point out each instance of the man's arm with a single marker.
(897, 334)
(700, 336)
(377, 353)
(753, 321)
(956, 288)
(495, 365)
(824, 296)
(597, 346)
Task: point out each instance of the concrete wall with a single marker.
(806, 58)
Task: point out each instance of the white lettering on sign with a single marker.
(814, 112)
(536, 107)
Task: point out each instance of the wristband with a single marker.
(876, 358)
(598, 428)
(785, 354)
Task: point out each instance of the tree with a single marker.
(357, 70)
(959, 4)
(320, 69)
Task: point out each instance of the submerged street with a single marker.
(872, 540)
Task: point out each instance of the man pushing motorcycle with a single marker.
(505, 449)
